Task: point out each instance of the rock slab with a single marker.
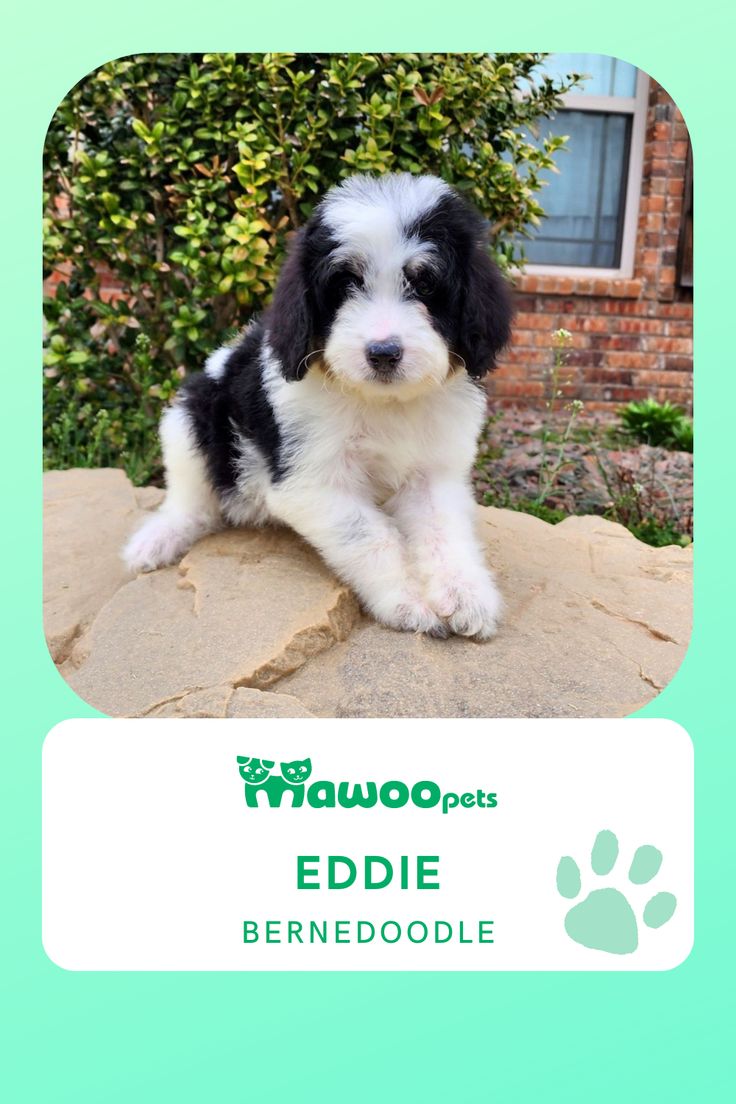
(252, 623)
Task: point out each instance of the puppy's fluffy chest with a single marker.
(344, 440)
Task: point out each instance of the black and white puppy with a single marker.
(351, 411)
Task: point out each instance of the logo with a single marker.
(260, 777)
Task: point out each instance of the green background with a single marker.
(360, 1037)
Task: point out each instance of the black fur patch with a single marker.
(306, 299)
(236, 403)
(468, 300)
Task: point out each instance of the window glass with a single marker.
(608, 76)
(584, 202)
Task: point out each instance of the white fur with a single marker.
(381, 487)
(191, 508)
(215, 363)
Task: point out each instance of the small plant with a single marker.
(552, 462)
(683, 435)
(639, 506)
(502, 498)
(539, 510)
(661, 425)
(658, 533)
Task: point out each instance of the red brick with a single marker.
(641, 325)
(631, 360)
(535, 321)
(527, 390)
(595, 324)
(610, 376)
(679, 329)
(676, 310)
(663, 379)
(680, 346)
(524, 302)
(584, 358)
(527, 356)
(625, 289)
(620, 342)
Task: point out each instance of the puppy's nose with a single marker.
(384, 355)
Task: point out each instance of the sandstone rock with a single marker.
(243, 608)
(596, 623)
(252, 623)
(87, 515)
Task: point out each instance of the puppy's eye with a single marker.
(423, 283)
(345, 280)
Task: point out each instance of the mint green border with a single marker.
(109, 1038)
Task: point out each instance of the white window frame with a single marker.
(636, 106)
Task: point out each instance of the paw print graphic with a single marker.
(604, 920)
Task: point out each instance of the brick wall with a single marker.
(630, 338)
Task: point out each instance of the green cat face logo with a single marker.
(260, 776)
(254, 771)
(297, 772)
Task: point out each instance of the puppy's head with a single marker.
(390, 288)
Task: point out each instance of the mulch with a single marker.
(600, 467)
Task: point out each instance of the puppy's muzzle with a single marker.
(384, 357)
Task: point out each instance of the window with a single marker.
(592, 204)
(685, 245)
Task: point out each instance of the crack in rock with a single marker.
(171, 699)
(650, 679)
(658, 634)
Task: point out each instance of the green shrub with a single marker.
(682, 435)
(177, 178)
(658, 533)
(539, 510)
(658, 424)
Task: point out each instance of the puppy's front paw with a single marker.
(470, 609)
(158, 542)
(413, 615)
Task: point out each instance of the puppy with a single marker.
(351, 411)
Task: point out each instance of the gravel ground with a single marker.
(601, 472)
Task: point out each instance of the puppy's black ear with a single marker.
(486, 313)
(288, 320)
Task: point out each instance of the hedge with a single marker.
(176, 180)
